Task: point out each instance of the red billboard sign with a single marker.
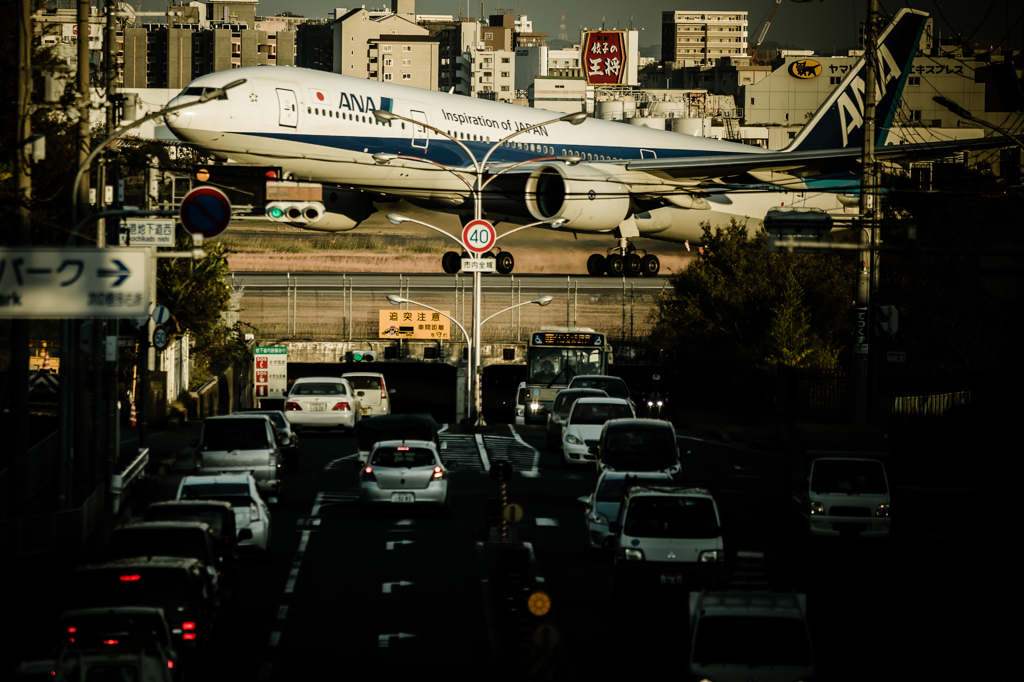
(605, 57)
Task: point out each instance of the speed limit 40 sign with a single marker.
(478, 236)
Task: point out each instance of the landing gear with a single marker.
(650, 265)
(505, 263)
(632, 265)
(450, 262)
(615, 265)
(595, 265)
(623, 261)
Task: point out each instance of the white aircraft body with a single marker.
(597, 176)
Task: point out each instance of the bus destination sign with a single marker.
(567, 339)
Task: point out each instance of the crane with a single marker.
(764, 31)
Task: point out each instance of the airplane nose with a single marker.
(179, 120)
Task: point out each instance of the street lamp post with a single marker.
(963, 113)
(477, 188)
(473, 386)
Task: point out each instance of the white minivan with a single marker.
(844, 496)
(372, 391)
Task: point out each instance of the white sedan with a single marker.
(582, 429)
(322, 402)
(252, 516)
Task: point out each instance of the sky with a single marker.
(822, 25)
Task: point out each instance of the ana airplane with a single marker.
(597, 176)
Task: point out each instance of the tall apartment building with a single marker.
(493, 74)
(354, 31)
(700, 37)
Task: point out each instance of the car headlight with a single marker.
(711, 555)
(817, 508)
(534, 406)
(633, 554)
(520, 410)
(597, 518)
(573, 440)
(556, 419)
(882, 509)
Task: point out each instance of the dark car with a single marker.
(123, 628)
(219, 516)
(564, 400)
(637, 445)
(287, 436)
(181, 587)
(613, 386)
(172, 538)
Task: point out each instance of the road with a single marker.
(401, 594)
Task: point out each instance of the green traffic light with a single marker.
(357, 356)
(275, 212)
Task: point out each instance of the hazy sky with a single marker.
(818, 24)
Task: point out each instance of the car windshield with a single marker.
(233, 493)
(854, 476)
(402, 456)
(129, 586)
(640, 440)
(234, 434)
(365, 383)
(598, 413)
(560, 365)
(612, 488)
(213, 517)
(126, 543)
(615, 388)
(751, 640)
(666, 516)
(564, 400)
(91, 630)
(276, 418)
(318, 388)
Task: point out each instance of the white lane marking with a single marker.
(533, 563)
(316, 504)
(386, 587)
(391, 545)
(444, 427)
(293, 574)
(275, 637)
(384, 640)
(547, 522)
(265, 669)
(282, 612)
(530, 474)
(533, 473)
(444, 445)
(404, 522)
(328, 499)
(483, 452)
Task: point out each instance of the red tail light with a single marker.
(292, 406)
(368, 474)
(72, 630)
(189, 635)
(341, 407)
(110, 641)
(170, 663)
(130, 578)
(188, 625)
(438, 473)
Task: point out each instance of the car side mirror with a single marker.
(584, 500)
(286, 441)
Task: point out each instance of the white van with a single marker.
(668, 536)
(372, 391)
(241, 444)
(843, 495)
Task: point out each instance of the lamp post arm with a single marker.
(214, 94)
(436, 229)
(523, 227)
(505, 310)
(439, 132)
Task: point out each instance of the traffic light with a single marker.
(295, 211)
(359, 356)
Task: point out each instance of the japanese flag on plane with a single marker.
(320, 97)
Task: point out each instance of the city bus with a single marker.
(554, 355)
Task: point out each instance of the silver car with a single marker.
(322, 402)
(401, 474)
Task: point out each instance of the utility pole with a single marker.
(867, 260)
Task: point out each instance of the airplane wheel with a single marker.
(505, 263)
(650, 265)
(632, 265)
(615, 265)
(450, 262)
(595, 265)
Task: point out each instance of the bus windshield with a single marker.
(560, 365)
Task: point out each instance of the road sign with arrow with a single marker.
(74, 283)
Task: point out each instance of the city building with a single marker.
(354, 31)
(406, 60)
(700, 37)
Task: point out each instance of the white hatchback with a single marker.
(582, 429)
(403, 474)
(322, 402)
(252, 516)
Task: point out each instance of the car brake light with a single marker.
(72, 630)
(254, 512)
(340, 407)
(402, 448)
(292, 406)
(110, 641)
(130, 578)
(189, 635)
(368, 474)
(188, 625)
(170, 663)
(438, 473)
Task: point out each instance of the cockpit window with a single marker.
(199, 92)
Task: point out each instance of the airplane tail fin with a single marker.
(839, 121)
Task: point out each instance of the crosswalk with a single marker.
(465, 450)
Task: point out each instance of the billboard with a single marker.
(605, 57)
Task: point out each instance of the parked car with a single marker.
(322, 403)
(218, 515)
(637, 445)
(559, 414)
(582, 429)
(740, 635)
(613, 386)
(602, 505)
(252, 516)
(372, 391)
(287, 436)
(404, 473)
(172, 538)
(122, 628)
(181, 587)
(369, 432)
(241, 443)
(668, 536)
(845, 495)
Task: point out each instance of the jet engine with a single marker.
(590, 198)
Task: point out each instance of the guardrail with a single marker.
(41, 537)
(120, 483)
